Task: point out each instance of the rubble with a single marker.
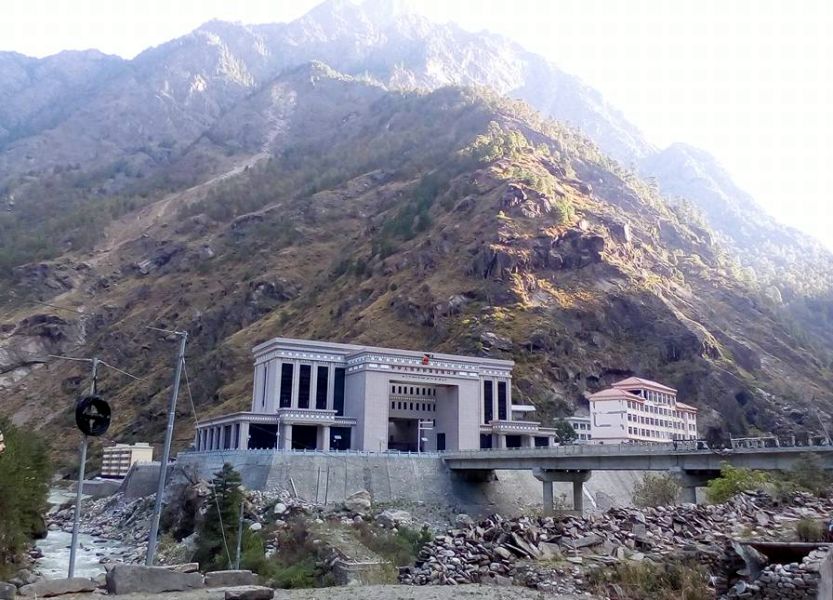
(552, 554)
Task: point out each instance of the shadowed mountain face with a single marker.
(320, 179)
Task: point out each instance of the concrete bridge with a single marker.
(693, 462)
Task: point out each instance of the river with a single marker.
(55, 548)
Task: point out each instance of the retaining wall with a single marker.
(329, 478)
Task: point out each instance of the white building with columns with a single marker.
(640, 410)
(325, 396)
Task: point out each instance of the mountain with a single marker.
(244, 182)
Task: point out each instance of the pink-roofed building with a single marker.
(640, 410)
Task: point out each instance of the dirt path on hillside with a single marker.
(132, 226)
(370, 592)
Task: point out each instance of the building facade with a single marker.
(581, 425)
(117, 460)
(639, 410)
(312, 395)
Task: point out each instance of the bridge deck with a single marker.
(632, 457)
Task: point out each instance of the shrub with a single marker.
(808, 474)
(810, 530)
(24, 486)
(565, 431)
(734, 480)
(400, 548)
(657, 581)
(656, 490)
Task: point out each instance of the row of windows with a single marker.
(412, 391)
(652, 433)
(488, 399)
(655, 422)
(582, 426)
(653, 396)
(423, 406)
(305, 387)
(584, 436)
(656, 410)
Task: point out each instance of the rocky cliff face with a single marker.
(209, 193)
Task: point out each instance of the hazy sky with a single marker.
(749, 80)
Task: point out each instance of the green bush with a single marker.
(810, 530)
(808, 474)
(656, 490)
(657, 581)
(400, 548)
(564, 431)
(24, 485)
(734, 480)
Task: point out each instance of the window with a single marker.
(265, 383)
(501, 400)
(393, 405)
(393, 389)
(323, 378)
(412, 406)
(338, 391)
(287, 370)
(487, 401)
(304, 383)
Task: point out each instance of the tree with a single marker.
(733, 481)
(217, 534)
(656, 490)
(565, 431)
(24, 486)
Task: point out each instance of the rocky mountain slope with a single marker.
(215, 185)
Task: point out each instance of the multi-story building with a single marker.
(117, 460)
(581, 425)
(326, 396)
(639, 410)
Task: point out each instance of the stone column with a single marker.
(221, 436)
(495, 414)
(273, 386)
(500, 440)
(323, 442)
(548, 503)
(528, 441)
(244, 435)
(286, 436)
(296, 382)
(331, 386)
(313, 384)
(577, 478)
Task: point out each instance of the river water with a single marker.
(55, 548)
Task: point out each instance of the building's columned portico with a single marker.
(327, 396)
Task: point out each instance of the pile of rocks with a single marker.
(794, 581)
(498, 548)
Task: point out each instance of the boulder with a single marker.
(280, 508)
(229, 578)
(58, 587)
(131, 579)
(393, 518)
(7, 591)
(359, 503)
(250, 592)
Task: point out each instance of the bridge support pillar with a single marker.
(690, 481)
(548, 500)
(548, 476)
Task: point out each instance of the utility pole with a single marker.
(166, 450)
(76, 521)
(239, 535)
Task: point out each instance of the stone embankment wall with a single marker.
(330, 478)
(811, 579)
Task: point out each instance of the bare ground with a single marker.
(370, 592)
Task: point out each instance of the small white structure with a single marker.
(581, 425)
(117, 460)
(640, 410)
